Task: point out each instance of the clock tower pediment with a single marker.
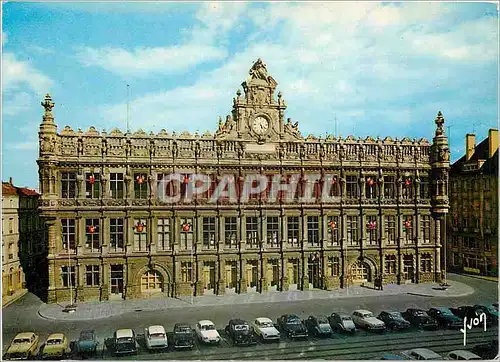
(258, 115)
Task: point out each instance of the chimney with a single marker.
(492, 142)
(470, 145)
(10, 178)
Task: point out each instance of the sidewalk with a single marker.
(98, 310)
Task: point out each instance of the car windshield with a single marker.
(241, 327)
(322, 320)
(124, 340)
(21, 340)
(421, 313)
(396, 315)
(445, 311)
(86, 336)
(346, 318)
(54, 341)
(183, 329)
(367, 315)
(293, 320)
(157, 335)
(209, 327)
(266, 324)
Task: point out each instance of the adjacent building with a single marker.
(24, 258)
(111, 235)
(473, 221)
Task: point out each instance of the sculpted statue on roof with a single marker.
(259, 70)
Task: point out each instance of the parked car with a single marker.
(124, 341)
(23, 346)
(155, 337)
(486, 350)
(206, 332)
(422, 354)
(445, 318)
(465, 311)
(318, 326)
(462, 354)
(364, 319)
(394, 320)
(87, 342)
(56, 346)
(240, 332)
(265, 329)
(341, 323)
(490, 311)
(183, 336)
(420, 319)
(292, 326)
(495, 305)
(393, 357)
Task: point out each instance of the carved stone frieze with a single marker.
(68, 146)
(90, 202)
(140, 202)
(116, 147)
(67, 202)
(116, 202)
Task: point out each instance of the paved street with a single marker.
(23, 315)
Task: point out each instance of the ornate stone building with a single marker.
(110, 235)
(473, 225)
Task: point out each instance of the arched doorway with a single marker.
(151, 282)
(361, 273)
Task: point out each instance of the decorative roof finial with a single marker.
(439, 122)
(48, 104)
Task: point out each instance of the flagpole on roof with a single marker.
(128, 108)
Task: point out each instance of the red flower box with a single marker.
(91, 229)
(139, 179)
(139, 227)
(186, 227)
(91, 179)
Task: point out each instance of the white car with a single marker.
(422, 354)
(462, 355)
(265, 329)
(155, 337)
(206, 332)
(365, 319)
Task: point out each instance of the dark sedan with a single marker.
(420, 319)
(490, 311)
(240, 332)
(394, 320)
(318, 326)
(342, 323)
(292, 326)
(465, 311)
(445, 318)
(183, 336)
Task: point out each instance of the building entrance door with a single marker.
(360, 273)
(252, 275)
(314, 271)
(231, 276)
(116, 281)
(293, 274)
(408, 270)
(209, 277)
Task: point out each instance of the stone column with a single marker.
(105, 280)
(284, 277)
(104, 234)
(80, 235)
(243, 276)
(80, 281)
(264, 281)
(305, 274)
(129, 234)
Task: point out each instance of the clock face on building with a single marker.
(260, 125)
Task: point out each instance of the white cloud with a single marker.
(17, 73)
(22, 146)
(16, 103)
(142, 61)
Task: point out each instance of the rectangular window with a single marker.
(92, 185)
(92, 234)
(187, 272)
(140, 235)
(352, 230)
(68, 234)
(68, 185)
(390, 229)
(426, 228)
(252, 231)
(92, 275)
(335, 186)
(424, 187)
(209, 232)
(371, 187)
(116, 185)
(313, 230)
(426, 263)
(230, 228)
(163, 233)
(116, 234)
(407, 188)
(408, 229)
(186, 233)
(352, 187)
(293, 230)
(372, 229)
(389, 187)
(334, 266)
(140, 186)
(333, 227)
(68, 276)
(390, 264)
(273, 231)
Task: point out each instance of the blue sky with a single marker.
(380, 69)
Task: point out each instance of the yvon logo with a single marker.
(473, 322)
